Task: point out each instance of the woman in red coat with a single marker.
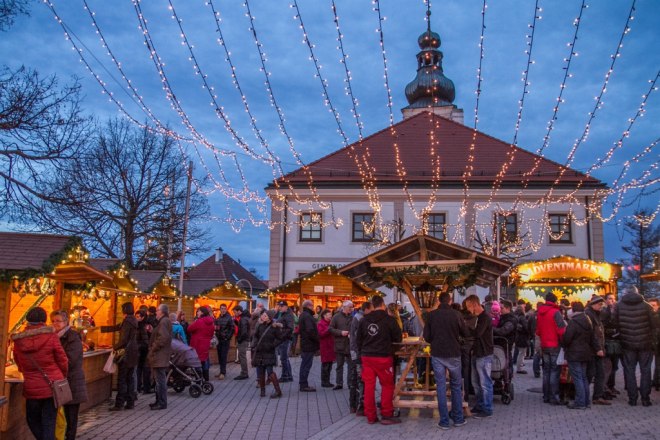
(38, 347)
(327, 348)
(201, 331)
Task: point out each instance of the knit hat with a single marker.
(596, 299)
(551, 297)
(36, 315)
(270, 313)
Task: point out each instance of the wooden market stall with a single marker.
(423, 267)
(567, 277)
(326, 287)
(50, 271)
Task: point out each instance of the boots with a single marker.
(205, 375)
(276, 384)
(262, 384)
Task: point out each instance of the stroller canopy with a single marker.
(184, 355)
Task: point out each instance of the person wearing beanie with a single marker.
(266, 338)
(242, 340)
(38, 349)
(595, 367)
(126, 371)
(550, 327)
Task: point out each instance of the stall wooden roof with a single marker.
(22, 251)
(326, 275)
(423, 256)
(214, 289)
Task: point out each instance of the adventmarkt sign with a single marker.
(565, 268)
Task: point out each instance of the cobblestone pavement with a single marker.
(235, 411)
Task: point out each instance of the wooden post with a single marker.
(407, 287)
(183, 244)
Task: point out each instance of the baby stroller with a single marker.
(186, 371)
(500, 372)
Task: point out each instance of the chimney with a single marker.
(218, 255)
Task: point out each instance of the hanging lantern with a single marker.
(426, 295)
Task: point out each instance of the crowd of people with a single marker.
(571, 345)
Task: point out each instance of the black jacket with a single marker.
(224, 327)
(309, 334)
(376, 333)
(507, 328)
(243, 327)
(483, 336)
(522, 329)
(265, 340)
(339, 323)
(579, 340)
(142, 335)
(128, 341)
(73, 348)
(594, 316)
(287, 320)
(634, 318)
(443, 328)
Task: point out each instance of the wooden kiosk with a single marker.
(326, 287)
(423, 267)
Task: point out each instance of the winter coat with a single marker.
(288, 322)
(72, 345)
(483, 336)
(443, 329)
(39, 347)
(243, 327)
(142, 335)
(224, 327)
(160, 344)
(594, 316)
(634, 317)
(339, 323)
(352, 337)
(522, 329)
(201, 333)
(550, 325)
(506, 329)
(376, 334)
(309, 334)
(179, 333)
(579, 340)
(254, 321)
(128, 341)
(327, 341)
(265, 341)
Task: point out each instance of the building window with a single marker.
(507, 226)
(310, 226)
(560, 228)
(363, 227)
(435, 224)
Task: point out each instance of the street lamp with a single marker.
(250, 286)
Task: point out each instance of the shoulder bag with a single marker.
(61, 389)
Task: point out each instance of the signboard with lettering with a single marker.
(566, 268)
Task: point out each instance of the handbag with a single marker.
(110, 366)
(561, 359)
(61, 388)
(119, 355)
(214, 341)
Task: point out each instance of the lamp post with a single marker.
(250, 286)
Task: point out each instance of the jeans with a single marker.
(125, 385)
(519, 357)
(356, 387)
(206, 366)
(341, 359)
(306, 361)
(143, 372)
(466, 372)
(551, 373)
(536, 363)
(223, 351)
(614, 367)
(596, 372)
(283, 353)
(242, 357)
(440, 367)
(630, 360)
(71, 414)
(578, 372)
(41, 416)
(160, 374)
(483, 383)
(383, 369)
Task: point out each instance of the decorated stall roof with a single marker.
(296, 285)
(214, 289)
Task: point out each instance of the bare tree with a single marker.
(41, 127)
(9, 10)
(644, 241)
(125, 197)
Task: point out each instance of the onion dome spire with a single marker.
(430, 88)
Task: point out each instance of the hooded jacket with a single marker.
(72, 345)
(265, 341)
(243, 327)
(579, 340)
(224, 327)
(376, 334)
(128, 341)
(327, 341)
(201, 333)
(39, 347)
(634, 317)
(550, 325)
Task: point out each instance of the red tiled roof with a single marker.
(452, 145)
(227, 269)
(21, 251)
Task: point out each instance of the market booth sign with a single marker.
(565, 268)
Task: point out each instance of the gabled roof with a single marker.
(211, 273)
(451, 142)
(23, 251)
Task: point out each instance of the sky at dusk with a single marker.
(38, 41)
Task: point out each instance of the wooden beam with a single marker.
(407, 287)
(423, 253)
(394, 264)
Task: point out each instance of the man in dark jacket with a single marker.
(595, 369)
(242, 340)
(224, 331)
(356, 399)
(444, 328)
(128, 362)
(634, 318)
(506, 329)
(482, 358)
(309, 344)
(160, 350)
(655, 305)
(550, 326)
(285, 317)
(522, 337)
(340, 326)
(613, 350)
(376, 333)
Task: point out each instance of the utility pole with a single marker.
(183, 240)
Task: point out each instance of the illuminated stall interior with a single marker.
(326, 287)
(213, 294)
(567, 277)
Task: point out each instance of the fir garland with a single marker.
(465, 276)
